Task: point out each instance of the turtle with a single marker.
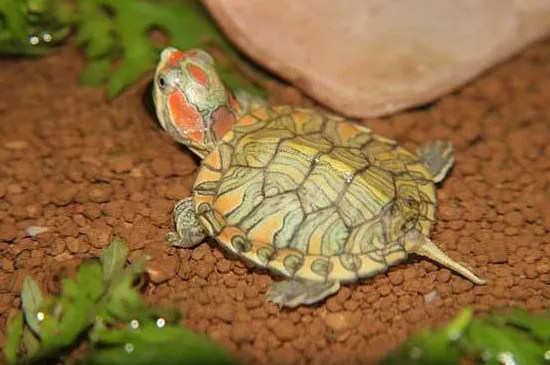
(314, 198)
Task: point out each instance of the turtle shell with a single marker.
(312, 196)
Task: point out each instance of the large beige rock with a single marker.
(367, 58)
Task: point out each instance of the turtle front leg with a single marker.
(294, 292)
(189, 231)
(438, 157)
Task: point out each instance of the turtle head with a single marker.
(192, 103)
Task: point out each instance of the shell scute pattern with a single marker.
(300, 193)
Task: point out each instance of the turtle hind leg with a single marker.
(189, 231)
(294, 292)
(422, 245)
(438, 157)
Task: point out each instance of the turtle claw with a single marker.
(292, 293)
(174, 239)
(437, 157)
(189, 231)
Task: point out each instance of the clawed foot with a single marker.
(174, 239)
(292, 293)
(189, 231)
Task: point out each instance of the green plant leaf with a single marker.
(109, 313)
(95, 72)
(495, 342)
(150, 344)
(95, 30)
(13, 338)
(433, 347)
(517, 337)
(118, 32)
(539, 326)
(76, 308)
(124, 302)
(129, 71)
(46, 22)
(31, 343)
(14, 18)
(113, 258)
(31, 300)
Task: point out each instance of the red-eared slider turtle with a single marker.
(318, 199)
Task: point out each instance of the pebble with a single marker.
(100, 193)
(162, 167)
(241, 333)
(121, 164)
(225, 312)
(160, 267)
(284, 330)
(337, 321)
(178, 192)
(8, 232)
(16, 145)
(35, 230)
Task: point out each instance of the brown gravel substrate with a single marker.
(88, 170)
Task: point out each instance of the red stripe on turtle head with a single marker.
(198, 74)
(185, 117)
(222, 121)
(174, 58)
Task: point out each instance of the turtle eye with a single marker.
(162, 82)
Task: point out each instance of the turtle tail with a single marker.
(419, 244)
(431, 251)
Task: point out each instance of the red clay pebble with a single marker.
(177, 192)
(333, 305)
(241, 332)
(100, 236)
(73, 245)
(338, 321)
(545, 212)
(414, 315)
(134, 184)
(225, 312)
(160, 266)
(284, 356)
(223, 266)
(100, 193)
(498, 255)
(284, 330)
(8, 232)
(91, 211)
(121, 164)
(514, 218)
(7, 265)
(64, 194)
(16, 145)
(396, 277)
(3, 189)
(162, 167)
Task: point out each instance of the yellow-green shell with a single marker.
(304, 194)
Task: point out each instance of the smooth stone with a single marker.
(368, 58)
